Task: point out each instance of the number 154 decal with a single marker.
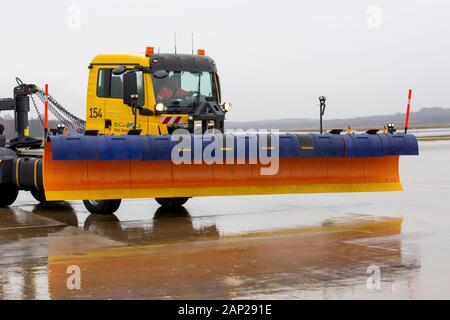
(95, 113)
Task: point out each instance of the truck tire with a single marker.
(38, 195)
(102, 206)
(8, 194)
(171, 202)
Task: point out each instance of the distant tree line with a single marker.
(434, 116)
(425, 117)
(35, 127)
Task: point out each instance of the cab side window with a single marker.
(116, 86)
(104, 76)
(111, 86)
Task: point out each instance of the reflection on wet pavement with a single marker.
(292, 247)
(176, 256)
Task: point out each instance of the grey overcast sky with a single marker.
(275, 58)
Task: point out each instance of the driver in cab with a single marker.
(172, 90)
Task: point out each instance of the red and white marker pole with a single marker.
(408, 109)
(46, 111)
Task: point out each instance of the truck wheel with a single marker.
(39, 195)
(8, 194)
(171, 202)
(102, 206)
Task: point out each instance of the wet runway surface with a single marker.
(323, 246)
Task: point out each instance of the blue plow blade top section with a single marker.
(289, 145)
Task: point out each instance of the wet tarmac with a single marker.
(324, 246)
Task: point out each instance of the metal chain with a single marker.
(63, 118)
(52, 101)
(37, 110)
(79, 122)
(58, 116)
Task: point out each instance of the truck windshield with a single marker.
(184, 88)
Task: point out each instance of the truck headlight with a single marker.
(227, 106)
(160, 107)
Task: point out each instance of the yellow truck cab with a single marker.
(172, 91)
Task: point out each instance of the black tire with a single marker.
(39, 195)
(8, 194)
(102, 206)
(171, 202)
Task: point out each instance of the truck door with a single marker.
(95, 103)
(118, 114)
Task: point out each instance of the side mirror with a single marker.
(130, 90)
(119, 71)
(161, 74)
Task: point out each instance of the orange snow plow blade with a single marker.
(113, 170)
